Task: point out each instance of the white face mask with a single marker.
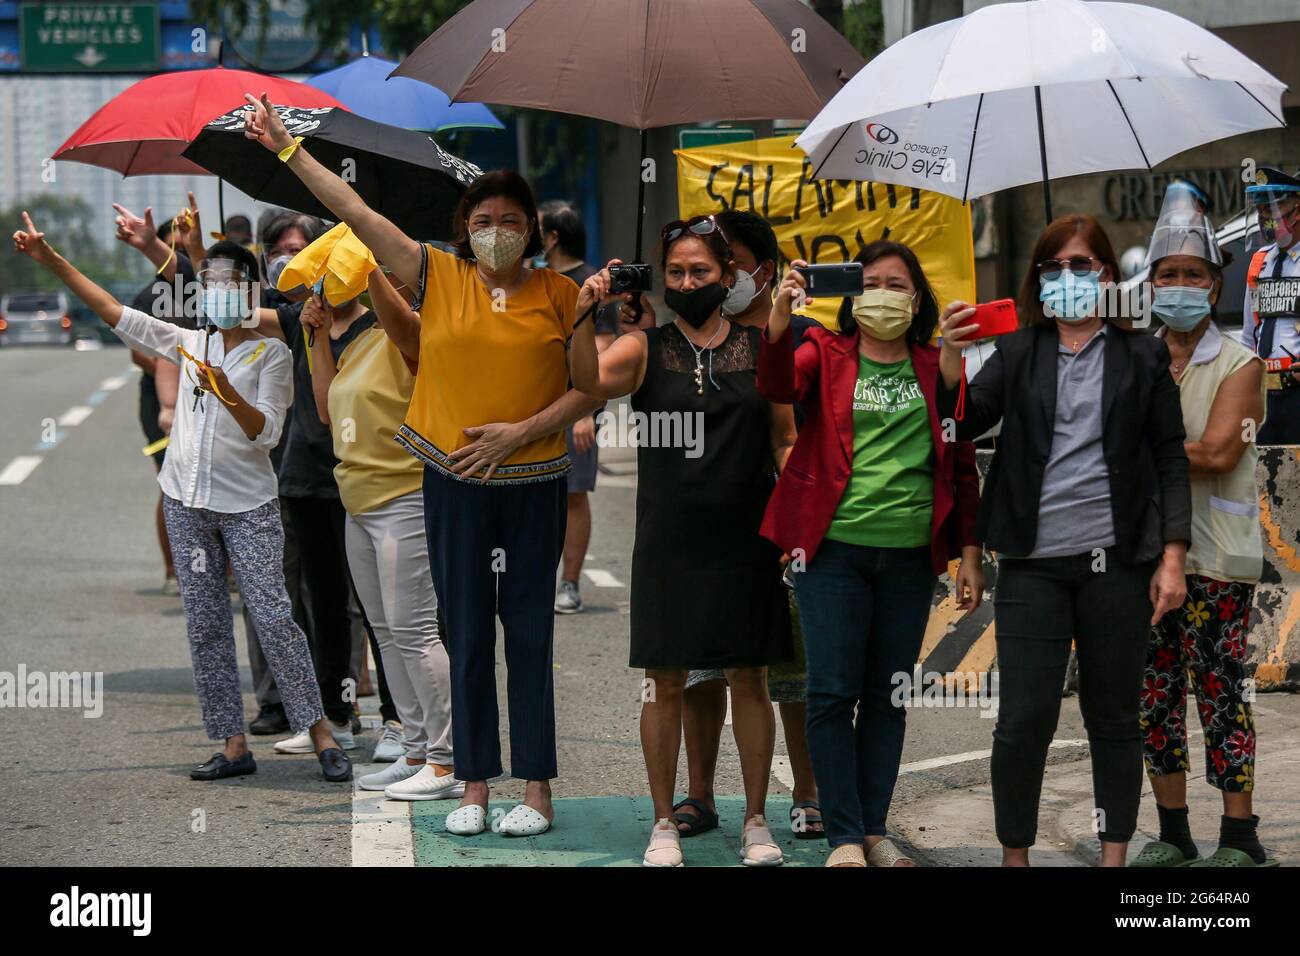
(498, 247)
(741, 295)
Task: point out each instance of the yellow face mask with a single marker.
(883, 314)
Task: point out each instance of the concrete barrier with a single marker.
(964, 646)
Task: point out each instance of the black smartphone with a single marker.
(832, 279)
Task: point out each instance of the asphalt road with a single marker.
(80, 578)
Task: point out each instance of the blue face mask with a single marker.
(1069, 297)
(1181, 307)
(224, 308)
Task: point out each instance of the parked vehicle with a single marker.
(35, 318)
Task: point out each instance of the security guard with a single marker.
(1271, 317)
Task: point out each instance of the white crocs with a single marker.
(468, 820)
(523, 820)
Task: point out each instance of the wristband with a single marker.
(289, 150)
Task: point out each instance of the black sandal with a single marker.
(700, 822)
(802, 812)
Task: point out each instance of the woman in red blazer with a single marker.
(874, 500)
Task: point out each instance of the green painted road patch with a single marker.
(597, 831)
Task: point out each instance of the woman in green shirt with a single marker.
(871, 506)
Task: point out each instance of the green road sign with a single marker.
(712, 136)
(89, 37)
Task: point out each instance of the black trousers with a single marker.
(1282, 422)
(1041, 604)
(318, 525)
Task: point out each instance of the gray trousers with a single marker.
(253, 543)
(389, 560)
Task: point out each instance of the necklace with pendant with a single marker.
(699, 364)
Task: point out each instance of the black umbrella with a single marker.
(401, 174)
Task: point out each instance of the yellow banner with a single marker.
(829, 220)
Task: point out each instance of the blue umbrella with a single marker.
(364, 88)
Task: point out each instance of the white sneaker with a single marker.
(389, 747)
(395, 773)
(426, 785)
(301, 743)
(567, 598)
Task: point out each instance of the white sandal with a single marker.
(468, 820)
(523, 820)
(847, 854)
(757, 847)
(665, 847)
(885, 853)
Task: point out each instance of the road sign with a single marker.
(89, 37)
(712, 136)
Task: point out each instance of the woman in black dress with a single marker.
(706, 588)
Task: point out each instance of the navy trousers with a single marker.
(493, 551)
(864, 612)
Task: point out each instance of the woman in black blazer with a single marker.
(1087, 503)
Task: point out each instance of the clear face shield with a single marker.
(227, 293)
(1183, 228)
(1272, 215)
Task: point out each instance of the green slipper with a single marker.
(1227, 856)
(1159, 853)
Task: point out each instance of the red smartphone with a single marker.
(994, 318)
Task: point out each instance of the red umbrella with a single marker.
(144, 128)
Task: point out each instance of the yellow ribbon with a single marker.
(261, 347)
(206, 369)
(289, 150)
(171, 236)
(154, 447)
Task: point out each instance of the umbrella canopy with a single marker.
(401, 174)
(1020, 92)
(639, 63)
(363, 87)
(145, 128)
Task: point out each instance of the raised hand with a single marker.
(135, 231)
(187, 220)
(264, 124)
(30, 241)
(955, 335)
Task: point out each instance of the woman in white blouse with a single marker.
(219, 494)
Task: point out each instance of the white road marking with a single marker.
(602, 579)
(18, 469)
(381, 829)
(112, 384)
(616, 481)
(75, 415)
(781, 764)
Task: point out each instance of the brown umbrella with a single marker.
(640, 63)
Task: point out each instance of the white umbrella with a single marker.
(1020, 92)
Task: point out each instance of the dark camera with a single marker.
(632, 277)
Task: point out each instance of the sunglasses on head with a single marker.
(696, 225)
(1078, 265)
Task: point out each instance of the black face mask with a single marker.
(697, 305)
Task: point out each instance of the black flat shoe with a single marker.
(269, 720)
(220, 767)
(335, 765)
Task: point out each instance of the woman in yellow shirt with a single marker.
(498, 342)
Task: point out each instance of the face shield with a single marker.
(227, 292)
(1183, 228)
(1272, 215)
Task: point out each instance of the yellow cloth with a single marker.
(367, 401)
(339, 257)
(479, 365)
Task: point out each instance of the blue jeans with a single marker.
(864, 612)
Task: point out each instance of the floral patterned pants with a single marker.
(1203, 642)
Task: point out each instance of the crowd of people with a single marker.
(425, 453)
